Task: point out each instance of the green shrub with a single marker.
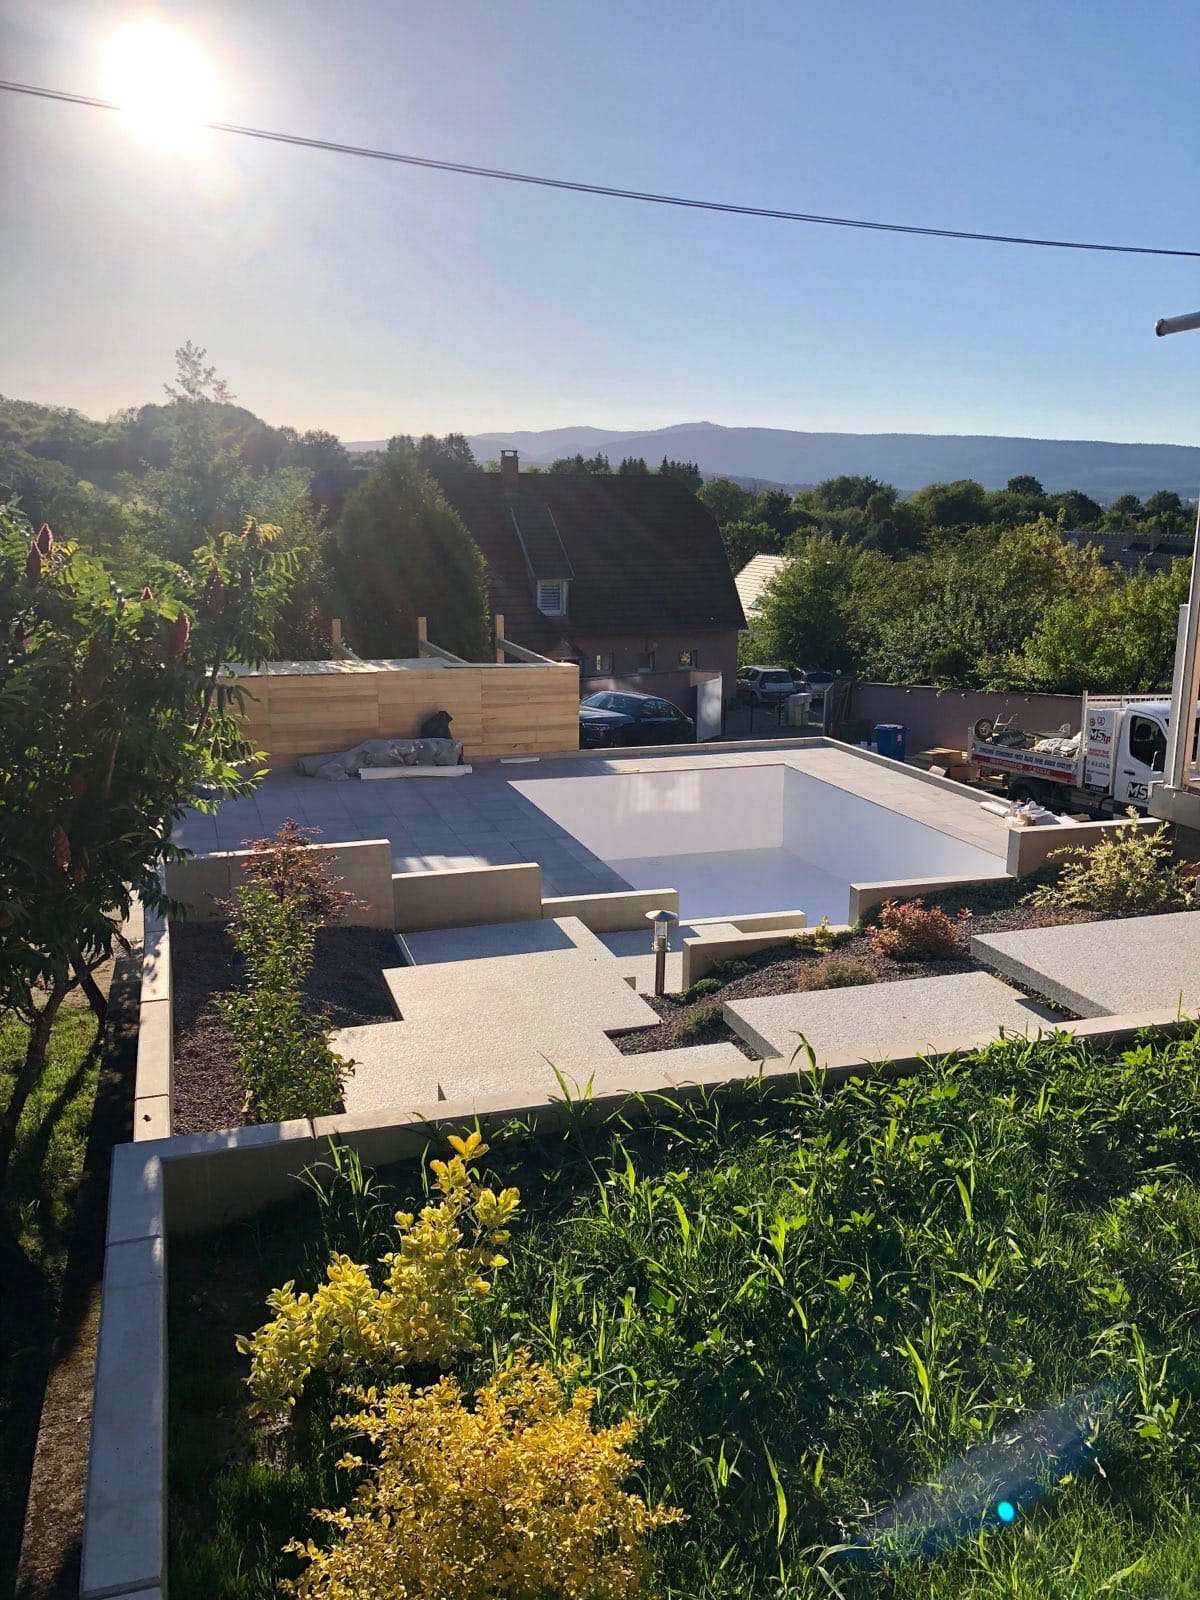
(835, 972)
(703, 986)
(1128, 874)
(418, 1316)
(698, 1021)
(285, 1063)
(910, 931)
(519, 1494)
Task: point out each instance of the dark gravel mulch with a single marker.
(345, 984)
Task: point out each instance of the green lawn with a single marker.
(817, 1305)
(45, 1176)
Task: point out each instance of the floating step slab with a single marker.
(883, 1020)
(1104, 969)
(492, 941)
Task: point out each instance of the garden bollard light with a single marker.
(661, 923)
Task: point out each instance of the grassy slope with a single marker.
(816, 1306)
(46, 1169)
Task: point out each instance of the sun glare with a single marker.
(166, 86)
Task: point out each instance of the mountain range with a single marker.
(793, 459)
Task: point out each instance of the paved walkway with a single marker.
(1104, 969)
(883, 1020)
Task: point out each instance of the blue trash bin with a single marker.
(891, 739)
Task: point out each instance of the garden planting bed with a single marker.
(815, 1303)
(798, 964)
(345, 984)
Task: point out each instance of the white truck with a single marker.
(1103, 769)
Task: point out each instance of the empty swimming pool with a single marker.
(737, 840)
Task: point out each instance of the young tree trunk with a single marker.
(27, 1076)
(90, 988)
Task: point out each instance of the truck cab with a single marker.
(1141, 754)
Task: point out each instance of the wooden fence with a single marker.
(300, 708)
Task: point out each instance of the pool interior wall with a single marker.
(740, 840)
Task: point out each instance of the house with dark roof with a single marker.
(625, 574)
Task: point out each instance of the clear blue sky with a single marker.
(372, 299)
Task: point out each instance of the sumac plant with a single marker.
(113, 719)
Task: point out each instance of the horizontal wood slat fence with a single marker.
(496, 710)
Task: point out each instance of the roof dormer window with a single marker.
(552, 598)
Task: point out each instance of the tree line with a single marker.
(953, 584)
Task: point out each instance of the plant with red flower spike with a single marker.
(60, 848)
(33, 563)
(178, 634)
(44, 539)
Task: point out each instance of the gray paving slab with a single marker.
(698, 1063)
(885, 1019)
(1101, 969)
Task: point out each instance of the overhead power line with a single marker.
(609, 191)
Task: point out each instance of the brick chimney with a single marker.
(509, 470)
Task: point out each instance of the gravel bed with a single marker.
(779, 969)
(346, 984)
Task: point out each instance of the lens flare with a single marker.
(166, 86)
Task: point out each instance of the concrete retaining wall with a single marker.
(461, 897)
(612, 913)
(365, 868)
(155, 1071)
(701, 955)
(1028, 848)
(864, 897)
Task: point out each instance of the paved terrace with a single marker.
(481, 820)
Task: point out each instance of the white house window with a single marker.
(552, 599)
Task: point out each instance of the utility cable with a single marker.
(500, 175)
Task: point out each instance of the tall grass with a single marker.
(820, 1303)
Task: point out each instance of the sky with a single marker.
(372, 299)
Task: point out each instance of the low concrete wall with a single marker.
(365, 868)
(612, 913)
(155, 1071)
(865, 897)
(463, 896)
(1028, 848)
(936, 717)
(700, 956)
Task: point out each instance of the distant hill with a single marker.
(909, 460)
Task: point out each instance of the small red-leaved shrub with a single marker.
(910, 931)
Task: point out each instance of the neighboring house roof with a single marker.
(753, 579)
(1132, 548)
(641, 554)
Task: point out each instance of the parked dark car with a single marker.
(611, 717)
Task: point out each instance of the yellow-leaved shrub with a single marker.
(418, 1315)
(518, 1495)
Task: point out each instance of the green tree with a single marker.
(1078, 509)
(962, 504)
(595, 466)
(807, 612)
(1123, 512)
(1025, 484)
(205, 484)
(686, 471)
(633, 466)
(1163, 505)
(399, 552)
(728, 501)
(452, 452)
(848, 492)
(113, 719)
(1119, 638)
(745, 540)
